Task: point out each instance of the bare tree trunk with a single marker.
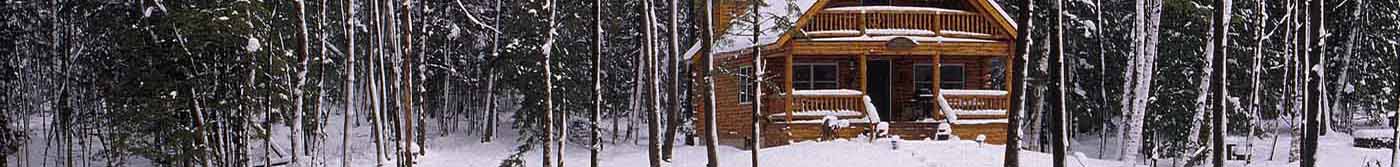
(1222, 40)
(303, 47)
(350, 99)
(596, 135)
(1255, 83)
(1018, 84)
(1103, 77)
(652, 86)
(1059, 129)
(1145, 24)
(546, 50)
(757, 86)
(1395, 124)
(491, 81)
(712, 134)
(1316, 72)
(673, 119)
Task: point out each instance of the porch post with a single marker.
(1007, 82)
(787, 83)
(864, 84)
(937, 84)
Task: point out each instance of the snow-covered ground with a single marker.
(459, 149)
(455, 151)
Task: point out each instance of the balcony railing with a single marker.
(809, 105)
(942, 21)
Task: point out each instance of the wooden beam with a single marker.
(1008, 75)
(864, 83)
(937, 84)
(787, 82)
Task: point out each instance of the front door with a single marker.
(879, 73)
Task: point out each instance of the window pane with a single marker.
(801, 73)
(746, 91)
(922, 73)
(824, 73)
(953, 77)
(953, 73)
(825, 85)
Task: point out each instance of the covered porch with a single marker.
(903, 88)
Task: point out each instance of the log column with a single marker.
(937, 71)
(864, 83)
(787, 82)
(1008, 75)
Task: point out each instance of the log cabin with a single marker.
(915, 69)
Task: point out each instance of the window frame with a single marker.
(962, 79)
(812, 82)
(744, 79)
(942, 82)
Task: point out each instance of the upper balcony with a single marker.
(903, 21)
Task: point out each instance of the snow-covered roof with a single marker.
(915, 38)
(894, 8)
(731, 42)
(738, 37)
(1002, 12)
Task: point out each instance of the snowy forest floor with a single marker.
(459, 149)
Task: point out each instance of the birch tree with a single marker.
(1254, 79)
(1141, 64)
(1018, 85)
(350, 99)
(757, 78)
(653, 104)
(302, 53)
(491, 79)
(1059, 122)
(1315, 46)
(546, 50)
(673, 119)
(707, 39)
(1221, 42)
(595, 135)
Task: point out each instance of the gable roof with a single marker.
(731, 39)
(738, 38)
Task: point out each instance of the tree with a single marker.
(350, 104)
(1254, 80)
(1221, 42)
(406, 92)
(1058, 118)
(595, 134)
(302, 53)
(757, 78)
(1139, 72)
(491, 79)
(652, 86)
(1018, 84)
(707, 39)
(546, 50)
(1315, 46)
(673, 120)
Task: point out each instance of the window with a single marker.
(922, 78)
(745, 84)
(815, 76)
(953, 77)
